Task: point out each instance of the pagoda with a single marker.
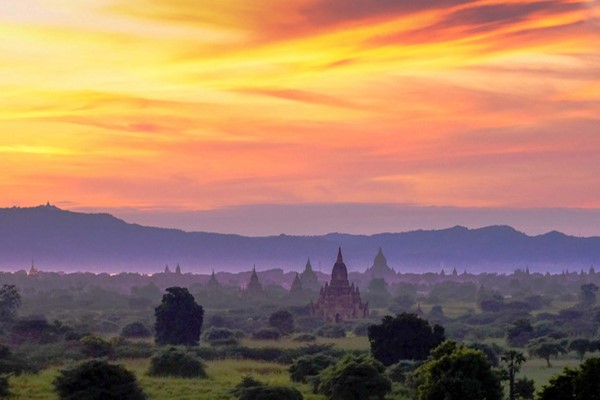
(339, 300)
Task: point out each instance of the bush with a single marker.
(97, 380)
(9, 364)
(355, 378)
(176, 362)
(95, 347)
(135, 330)
(309, 366)
(398, 372)
(331, 331)
(267, 334)
(362, 329)
(251, 389)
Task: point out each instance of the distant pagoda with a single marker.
(296, 288)
(213, 283)
(380, 268)
(339, 301)
(309, 278)
(254, 288)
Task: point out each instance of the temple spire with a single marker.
(340, 259)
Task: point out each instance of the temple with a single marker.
(339, 301)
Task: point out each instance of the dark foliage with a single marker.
(282, 320)
(524, 388)
(304, 337)
(251, 389)
(405, 337)
(176, 362)
(355, 378)
(97, 380)
(580, 383)
(457, 372)
(4, 387)
(178, 318)
(309, 366)
(96, 347)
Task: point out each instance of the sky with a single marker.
(167, 109)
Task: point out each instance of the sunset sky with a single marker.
(180, 105)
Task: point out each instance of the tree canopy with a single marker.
(580, 383)
(355, 378)
(404, 337)
(178, 318)
(457, 372)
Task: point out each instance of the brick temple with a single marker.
(339, 300)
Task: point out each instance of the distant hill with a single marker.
(62, 240)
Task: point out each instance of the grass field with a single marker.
(222, 377)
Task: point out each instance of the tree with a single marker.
(545, 349)
(513, 360)
(520, 333)
(588, 294)
(405, 337)
(178, 318)
(457, 372)
(580, 383)
(97, 380)
(355, 378)
(580, 346)
(10, 301)
(282, 320)
(524, 388)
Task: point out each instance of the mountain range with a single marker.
(70, 241)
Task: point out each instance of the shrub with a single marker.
(355, 378)
(251, 389)
(95, 347)
(331, 331)
(267, 334)
(213, 334)
(176, 362)
(308, 366)
(135, 330)
(283, 321)
(398, 372)
(362, 329)
(97, 380)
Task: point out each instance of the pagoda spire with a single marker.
(340, 259)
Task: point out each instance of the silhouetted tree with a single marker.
(404, 337)
(524, 388)
(545, 349)
(178, 318)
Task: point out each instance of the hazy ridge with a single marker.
(64, 240)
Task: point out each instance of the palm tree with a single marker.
(513, 360)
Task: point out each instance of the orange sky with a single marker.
(185, 104)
